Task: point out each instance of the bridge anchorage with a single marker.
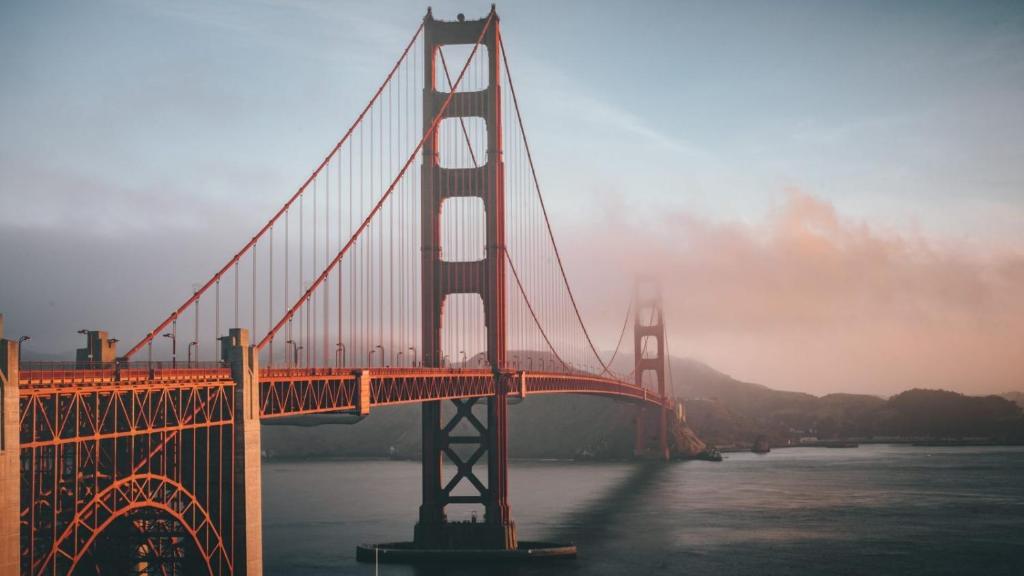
(124, 465)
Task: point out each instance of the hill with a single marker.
(1016, 397)
(725, 412)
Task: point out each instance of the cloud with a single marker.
(807, 299)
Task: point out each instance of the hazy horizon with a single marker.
(832, 194)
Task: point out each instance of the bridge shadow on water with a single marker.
(597, 522)
(603, 524)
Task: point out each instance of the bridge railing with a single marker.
(35, 374)
(69, 373)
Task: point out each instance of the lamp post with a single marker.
(174, 345)
(295, 353)
(398, 358)
(464, 360)
(190, 345)
(21, 341)
(339, 356)
(369, 356)
(117, 362)
(414, 355)
(381, 347)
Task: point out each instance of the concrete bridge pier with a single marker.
(243, 358)
(10, 458)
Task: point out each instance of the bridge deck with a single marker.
(62, 404)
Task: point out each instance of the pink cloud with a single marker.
(813, 301)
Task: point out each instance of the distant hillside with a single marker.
(725, 411)
(943, 414)
(1017, 397)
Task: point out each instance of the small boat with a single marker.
(710, 454)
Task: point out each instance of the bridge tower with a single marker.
(485, 278)
(247, 490)
(10, 457)
(649, 356)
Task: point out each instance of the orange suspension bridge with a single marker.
(416, 264)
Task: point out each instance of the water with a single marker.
(869, 510)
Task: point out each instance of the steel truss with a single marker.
(156, 453)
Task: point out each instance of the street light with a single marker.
(113, 342)
(190, 345)
(464, 361)
(398, 358)
(414, 355)
(341, 355)
(174, 347)
(21, 341)
(295, 352)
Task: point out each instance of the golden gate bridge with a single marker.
(416, 264)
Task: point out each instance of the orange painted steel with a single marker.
(293, 391)
(96, 448)
(133, 493)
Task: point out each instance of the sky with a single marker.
(832, 193)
